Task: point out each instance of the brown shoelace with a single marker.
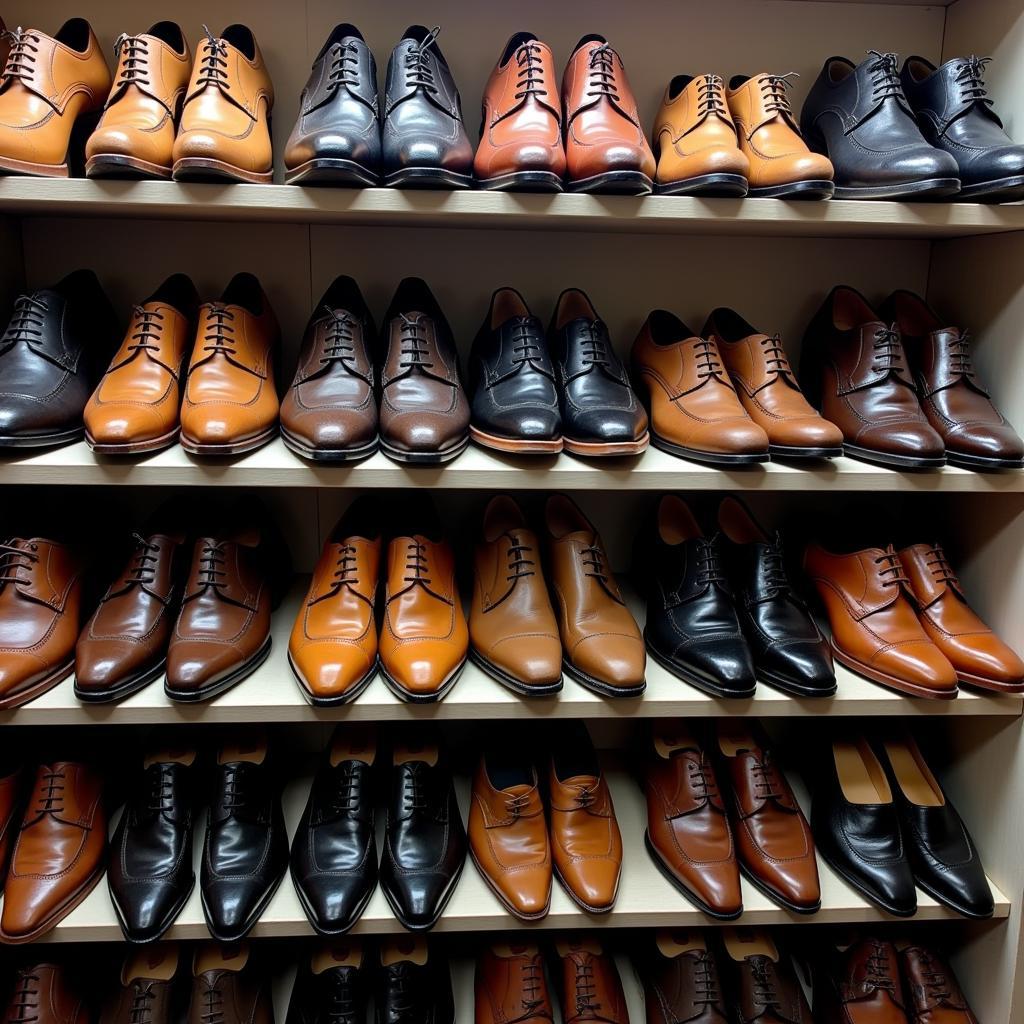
(774, 92)
(710, 96)
(530, 77)
(13, 560)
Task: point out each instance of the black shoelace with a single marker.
(602, 73)
(960, 361)
(213, 1010)
(709, 564)
(970, 78)
(238, 795)
(774, 92)
(524, 344)
(22, 57)
(415, 790)
(940, 567)
(13, 560)
(766, 993)
(775, 355)
(586, 989)
(416, 563)
(891, 572)
(887, 349)
(51, 796)
(530, 77)
(710, 96)
(519, 562)
(402, 990)
(706, 980)
(593, 563)
(338, 343)
(24, 1005)
(143, 568)
(344, 66)
(141, 1010)
(418, 71)
(594, 347)
(147, 330)
(210, 572)
(414, 346)
(878, 969)
(220, 327)
(584, 797)
(515, 805)
(159, 780)
(341, 1002)
(346, 795)
(707, 359)
(774, 577)
(531, 982)
(132, 55)
(26, 323)
(885, 76)
(345, 572)
(213, 62)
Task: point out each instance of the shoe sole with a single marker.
(234, 448)
(329, 454)
(56, 440)
(251, 921)
(200, 168)
(811, 190)
(516, 446)
(332, 171)
(427, 177)
(332, 702)
(442, 903)
(931, 187)
(503, 900)
(589, 908)
(854, 451)
(891, 682)
(58, 915)
(510, 682)
(708, 458)
(602, 449)
(424, 458)
(680, 885)
(123, 689)
(786, 451)
(233, 678)
(775, 897)
(47, 683)
(725, 186)
(598, 686)
(116, 165)
(169, 919)
(1002, 190)
(522, 181)
(694, 680)
(981, 462)
(155, 444)
(990, 685)
(614, 183)
(418, 698)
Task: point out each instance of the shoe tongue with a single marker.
(580, 780)
(519, 790)
(585, 537)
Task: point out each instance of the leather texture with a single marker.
(330, 986)
(861, 984)
(934, 995)
(238, 991)
(415, 987)
(510, 986)
(45, 992)
(766, 988)
(681, 984)
(588, 983)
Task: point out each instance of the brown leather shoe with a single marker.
(146, 987)
(605, 146)
(768, 390)
(508, 835)
(44, 994)
(688, 834)
(875, 629)
(681, 980)
(136, 405)
(694, 409)
(512, 627)
(589, 989)
(230, 403)
(773, 839)
(603, 649)
(765, 986)
(521, 127)
(510, 986)
(330, 413)
(40, 604)
(980, 658)
(60, 852)
(12, 796)
(229, 978)
(933, 993)
(861, 984)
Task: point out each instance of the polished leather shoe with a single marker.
(13, 785)
(336, 139)
(788, 649)
(510, 985)
(334, 850)
(680, 979)
(233, 981)
(860, 984)
(245, 850)
(856, 826)
(762, 980)
(56, 346)
(425, 841)
(858, 116)
(424, 140)
(46, 994)
(414, 984)
(514, 404)
(600, 412)
(146, 988)
(934, 995)
(330, 412)
(588, 983)
(331, 986)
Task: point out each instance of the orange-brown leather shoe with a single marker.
(510, 985)
(230, 402)
(781, 165)
(695, 141)
(50, 86)
(605, 146)
(521, 124)
(875, 629)
(769, 391)
(136, 404)
(135, 136)
(980, 658)
(225, 123)
(694, 409)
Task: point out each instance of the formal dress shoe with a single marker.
(331, 986)
(773, 839)
(40, 604)
(150, 874)
(979, 657)
(688, 834)
(780, 163)
(230, 404)
(336, 138)
(414, 984)
(334, 850)
(224, 134)
(51, 86)
(425, 144)
(602, 647)
(788, 649)
(13, 793)
(856, 826)
(875, 628)
(513, 631)
(135, 135)
(694, 409)
(59, 854)
(680, 980)
(588, 983)
(514, 404)
(605, 146)
(56, 346)
(510, 985)
(955, 401)
(425, 841)
(768, 390)
(330, 412)
(245, 851)
(44, 993)
(230, 983)
(764, 985)
(508, 835)
(145, 989)
(135, 407)
(858, 116)
(424, 414)
(521, 146)
(934, 995)
(860, 983)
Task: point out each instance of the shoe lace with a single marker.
(237, 791)
(213, 1011)
(519, 564)
(132, 55)
(142, 570)
(346, 572)
(22, 56)
(26, 989)
(160, 789)
(602, 73)
(220, 330)
(515, 805)
(892, 572)
(141, 1010)
(210, 573)
(415, 790)
(51, 796)
(594, 349)
(885, 78)
(702, 779)
(767, 784)
(933, 974)
(402, 989)
(766, 993)
(530, 78)
(13, 560)
(213, 62)
(414, 348)
(706, 980)
(524, 345)
(775, 355)
(887, 349)
(970, 77)
(775, 580)
(774, 92)
(708, 361)
(709, 564)
(878, 969)
(26, 321)
(345, 796)
(146, 329)
(531, 985)
(593, 559)
(586, 989)
(338, 345)
(711, 96)
(416, 563)
(960, 354)
(940, 567)
(418, 71)
(585, 795)
(344, 67)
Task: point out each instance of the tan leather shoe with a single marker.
(695, 141)
(510, 985)
(225, 123)
(694, 409)
(136, 404)
(512, 626)
(135, 136)
(230, 402)
(769, 391)
(602, 645)
(781, 164)
(49, 85)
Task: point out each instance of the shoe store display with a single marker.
(510, 985)
(231, 983)
(414, 983)
(680, 979)
(147, 980)
(761, 979)
(587, 982)
(331, 986)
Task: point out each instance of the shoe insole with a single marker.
(522, 949)
(676, 942)
(743, 942)
(912, 775)
(252, 748)
(356, 742)
(738, 525)
(170, 755)
(345, 953)
(671, 735)
(503, 516)
(157, 962)
(404, 947)
(675, 521)
(735, 735)
(406, 752)
(588, 945)
(507, 305)
(214, 957)
(860, 775)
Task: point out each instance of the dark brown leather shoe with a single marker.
(590, 987)
(145, 994)
(934, 995)
(510, 985)
(860, 984)
(228, 986)
(681, 981)
(764, 985)
(44, 994)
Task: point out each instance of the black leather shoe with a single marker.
(334, 852)
(414, 985)
(425, 840)
(942, 853)
(955, 115)
(788, 649)
(600, 412)
(56, 347)
(245, 852)
(330, 986)
(336, 139)
(859, 118)
(514, 403)
(856, 827)
(692, 629)
(150, 874)
(424, 139)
